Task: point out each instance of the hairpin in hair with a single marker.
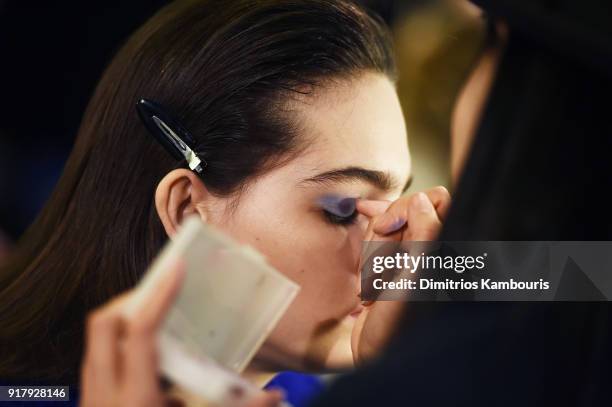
(169, 133)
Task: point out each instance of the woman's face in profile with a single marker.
(298, 217)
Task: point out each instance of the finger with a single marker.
(394, 218)
(356, 332)
(371, 207)
(373, 329)
(150, 311)
(270, 398)
(441, 200)
(141, 362)
(372, 235)
(140, 381)
(423, 221)
(375, 209)
(374, 245)
(99, 373)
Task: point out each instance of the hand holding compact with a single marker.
(120, 367)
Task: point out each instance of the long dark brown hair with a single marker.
(222, 68)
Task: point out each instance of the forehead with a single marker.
(356, 123)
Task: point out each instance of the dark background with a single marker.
(53, 54)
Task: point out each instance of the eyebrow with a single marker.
(380, 179)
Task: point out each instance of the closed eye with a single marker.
(340, 220)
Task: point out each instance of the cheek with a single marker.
(316, 321)
(324, 265)
(321, 259)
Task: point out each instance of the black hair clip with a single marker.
(169, 133)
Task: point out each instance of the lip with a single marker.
(355, 313)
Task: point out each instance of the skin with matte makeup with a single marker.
(303, 215)
(309, 217)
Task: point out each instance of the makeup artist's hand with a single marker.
(120, 364)
(417, 217)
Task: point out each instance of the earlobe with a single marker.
(179, 194)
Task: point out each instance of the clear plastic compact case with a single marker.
(228, 304)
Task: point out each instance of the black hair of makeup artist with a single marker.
(539, 170)
(223, 69)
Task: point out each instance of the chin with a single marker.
(331, 351)
(326, 349)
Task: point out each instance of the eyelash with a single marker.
(340, 220)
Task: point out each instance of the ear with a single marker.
(179, 194)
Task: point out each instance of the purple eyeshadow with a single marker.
(338, 205)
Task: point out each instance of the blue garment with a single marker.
(299, 388)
